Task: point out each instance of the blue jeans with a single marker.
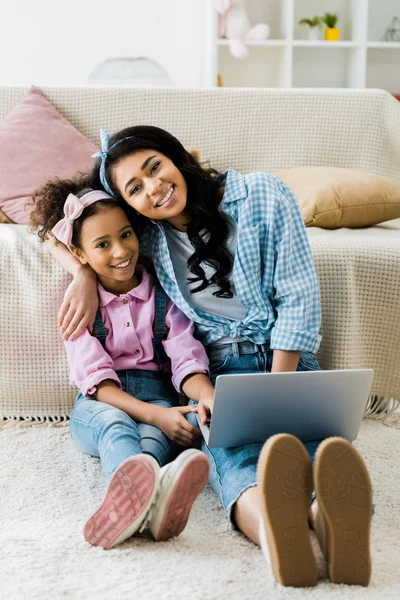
(102, 430)
(234, 470)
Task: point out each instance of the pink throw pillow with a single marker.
(37, 143)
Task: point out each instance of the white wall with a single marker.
(53, 42)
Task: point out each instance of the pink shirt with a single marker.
(129, 320)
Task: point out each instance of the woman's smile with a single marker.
(167, 199)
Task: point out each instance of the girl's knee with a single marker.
(99, 416)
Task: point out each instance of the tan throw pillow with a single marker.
(4, 218)
(331, 197)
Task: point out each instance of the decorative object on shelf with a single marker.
(234, 24)
(130, 71)
(314, 26)
(392, 33)
(332, 33)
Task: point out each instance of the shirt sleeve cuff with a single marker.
(190, 368)
(89, 386)
(283, 339)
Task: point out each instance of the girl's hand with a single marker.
(173, 423)
(78, 310)
(205, 407)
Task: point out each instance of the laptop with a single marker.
(311, 405)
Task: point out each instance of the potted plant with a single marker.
(314, 26)
(332, 33)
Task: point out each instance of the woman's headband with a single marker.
(103, 154)
(73, 208)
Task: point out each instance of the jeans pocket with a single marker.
(219, 363)
(308, 362)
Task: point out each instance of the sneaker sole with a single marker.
(284, 477)
(187, 487)
(128, 498)
(344, 495)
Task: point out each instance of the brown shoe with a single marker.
(284, 477)
(343, 516)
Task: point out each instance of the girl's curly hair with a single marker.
(49, 201)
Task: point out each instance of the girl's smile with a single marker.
(150, 183)
(124, 266)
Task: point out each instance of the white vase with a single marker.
(313, 34)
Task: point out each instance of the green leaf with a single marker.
(330, 20)
(314, 22)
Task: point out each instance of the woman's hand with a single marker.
(199, 388)
(205, 407)
(78, 310)
(173, 423)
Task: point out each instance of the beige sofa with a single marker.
(267, 130)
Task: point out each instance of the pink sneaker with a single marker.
(129, 496)
(181, 482)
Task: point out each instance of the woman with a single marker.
(232, 253)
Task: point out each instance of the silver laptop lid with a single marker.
(312, 405)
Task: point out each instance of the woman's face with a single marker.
(150, 183)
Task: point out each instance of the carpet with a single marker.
(48, 489)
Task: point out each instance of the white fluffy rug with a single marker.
(48, 490)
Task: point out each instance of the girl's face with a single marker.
(110, 246)
(152, 185)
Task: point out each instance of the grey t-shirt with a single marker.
(180, 250)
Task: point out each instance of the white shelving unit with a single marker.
(360, 59)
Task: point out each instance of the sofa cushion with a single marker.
(37, 143)
(331, 197)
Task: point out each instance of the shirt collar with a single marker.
(142, 291)
(235, 185)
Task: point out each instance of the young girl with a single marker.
(232, 252)
(126, 412)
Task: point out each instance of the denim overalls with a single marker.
(109, 433)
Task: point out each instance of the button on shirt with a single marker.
(129, 320)
(273, 270)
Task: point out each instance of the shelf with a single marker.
(262, 68)
(316, 44)
(324, 44)
(380, 16)
(383, 69)
(383, 45)
(308, 8)
(272, 43)
(333, 68)
(289, 59)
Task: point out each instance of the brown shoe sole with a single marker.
(344, 495)
(284, 477)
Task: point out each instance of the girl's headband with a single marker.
(73, 208)
(103, 154)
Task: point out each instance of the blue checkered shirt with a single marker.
(273, 270)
